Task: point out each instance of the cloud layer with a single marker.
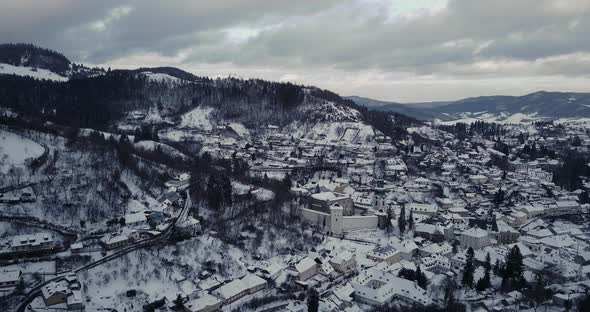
(411, 50)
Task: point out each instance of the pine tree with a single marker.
(313, 300)
(514, 265)
(485, 282)
(226, 191)
(178, 303)
(487, 270)
(421, 278)
(401, 221)
(388, 225)
(469, 269)
(214, 193)
(411, 221)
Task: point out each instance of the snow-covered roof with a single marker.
(31, 239)
(204, 302)
(328, 196)
(9, 276)
(137, 217)
(238, 286)
(381, 287)
(475, 232)
(305, 264)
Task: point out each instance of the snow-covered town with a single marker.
(297, 156)
(485, 216)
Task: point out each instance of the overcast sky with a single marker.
(398, 50)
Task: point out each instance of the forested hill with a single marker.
(103, 100)
(96, 98)
(23, 54)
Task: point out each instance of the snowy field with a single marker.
(14, 150)
(159, 77)
(37, 73)
(167, 272)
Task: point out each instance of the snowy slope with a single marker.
(502, 118)
(159, 77)
(14, 149)
(37, 73)
(197, 118)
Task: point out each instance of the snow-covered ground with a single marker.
(502, 118)
(158, 273)
(197, 118)
(240, 129)
(159, 77)
(15, 150)
(37, 73)
(333, 132)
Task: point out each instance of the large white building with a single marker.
(376, 287)
(475, 238)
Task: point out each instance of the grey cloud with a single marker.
(466, 39)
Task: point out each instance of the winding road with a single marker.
(162, 237)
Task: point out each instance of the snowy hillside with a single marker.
(36, 73)
(160, 77)
(15, 150)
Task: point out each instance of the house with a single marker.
(376, 287)
(475, 238)
(204, 303)
(344, 262)
(171, 198)
(136, 220)
(436, 263)
(565, 207)
(506, 234)
(325, 268)
(32, 242)
(478, 179)
(387, 254)
(9, 279)
(55, 293)
(156, 218)
(324, 200)
(435, 232)
(458, 261)
(423, 209)
(269, 270)
(177, 185)
(239, 288)
(75, 301)
(190, 226)
(115, 240)
(306, 268)
(443, 249)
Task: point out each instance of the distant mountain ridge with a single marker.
(416, 110)
(540, 104)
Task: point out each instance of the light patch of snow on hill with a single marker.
(502, 118)
(197, 118)
(151, 146)
(239, 129)
(14, 150)
(153, 115)
(333, 133)
(159, 77)
(574, 122)
(37, 73)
